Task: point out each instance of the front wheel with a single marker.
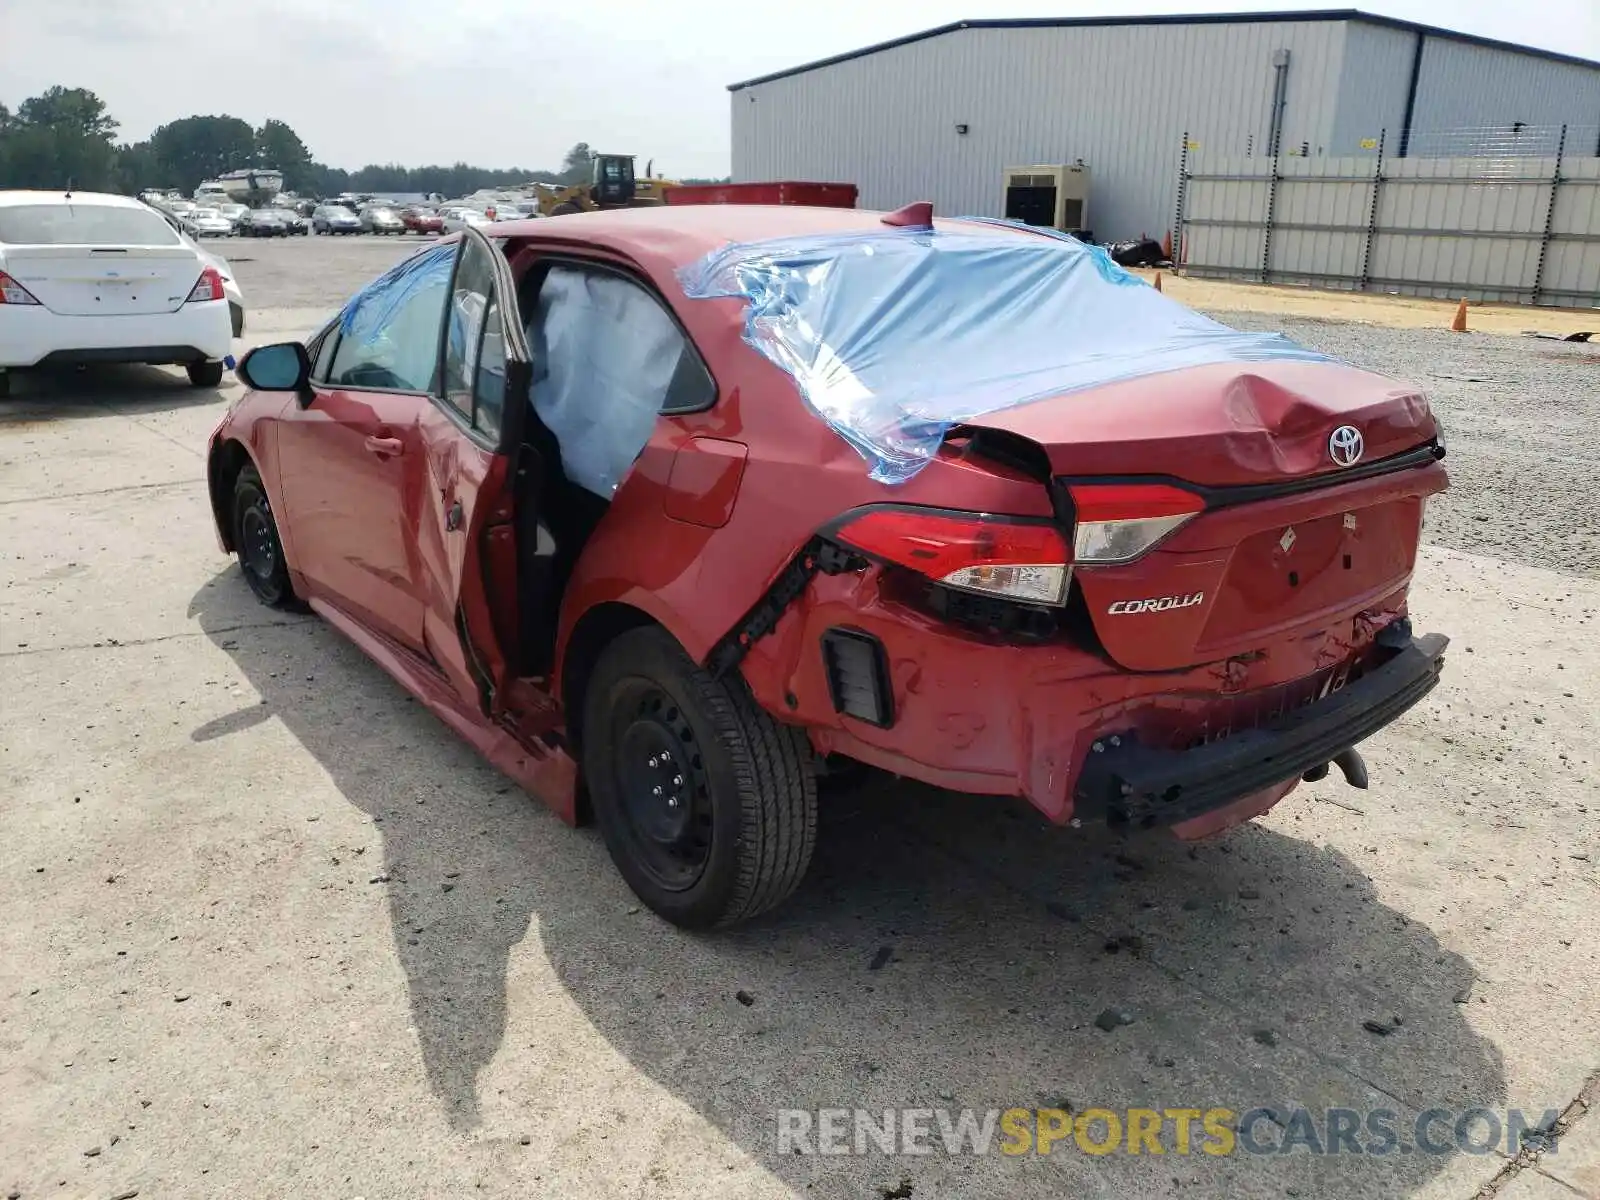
(205, 374)
(255, 540)
(707, 805)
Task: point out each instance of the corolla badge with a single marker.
(1345, 445)
(1122, 608)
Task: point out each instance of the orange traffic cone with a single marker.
(1158, 281)
(1166, 246)
(1459, 325)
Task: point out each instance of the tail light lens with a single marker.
(12, 292)
(1117, 522)
(208, 286)
(975, 553)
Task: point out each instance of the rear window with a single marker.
(82, 225)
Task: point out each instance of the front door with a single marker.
(468, 437)
(352, 458)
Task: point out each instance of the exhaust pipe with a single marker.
(1350, 764)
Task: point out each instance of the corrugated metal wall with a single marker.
(1118, 97)
(1445, 227)
(1463, 86)
(1372, 86)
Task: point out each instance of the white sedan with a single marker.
(87, 277)
(458, 218)
(208, 222)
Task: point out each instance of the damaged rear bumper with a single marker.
(1129, 783)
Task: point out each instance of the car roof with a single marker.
(677, 236)
(108, 199)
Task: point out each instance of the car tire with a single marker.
(5, 384)
(256, 542)
(236, 315)
(204, 374)
(658, 729)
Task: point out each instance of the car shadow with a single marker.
(945, 951)
(43, 393)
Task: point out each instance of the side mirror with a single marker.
(284, 367)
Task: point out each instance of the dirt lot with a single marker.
(272, 931)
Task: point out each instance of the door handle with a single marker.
(385, 445)
(452, 519)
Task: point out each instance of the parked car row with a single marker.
(344, 215)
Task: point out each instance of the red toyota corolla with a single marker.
(671, 511)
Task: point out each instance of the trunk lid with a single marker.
(105, 281)
(1290, 543)
(1237, 579)
(1221, 425)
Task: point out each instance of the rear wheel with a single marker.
(204, 374)
(255, 540)
(708, 806)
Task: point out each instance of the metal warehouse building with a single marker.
(942, 114)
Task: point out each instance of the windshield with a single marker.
(82, 225)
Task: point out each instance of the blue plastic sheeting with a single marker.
(374, 308)
(895, 335)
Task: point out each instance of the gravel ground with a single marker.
(311, 272)
(1521, 421)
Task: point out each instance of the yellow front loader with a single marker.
(612, 184)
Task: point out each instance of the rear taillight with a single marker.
(993, 556)
(12, 292)
(1117, 522)
(208, 286)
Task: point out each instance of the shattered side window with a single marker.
(894, 335)
(606, 355)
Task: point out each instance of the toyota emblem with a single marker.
(1345, 445)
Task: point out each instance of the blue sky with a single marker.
(516, 82)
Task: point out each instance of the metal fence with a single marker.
(1511, 220)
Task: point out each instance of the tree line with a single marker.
(66, 137)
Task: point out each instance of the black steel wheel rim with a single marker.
(256, 549)
(663, 792)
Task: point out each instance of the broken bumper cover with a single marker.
(1149, 787)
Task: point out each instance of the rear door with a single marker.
(470, 436)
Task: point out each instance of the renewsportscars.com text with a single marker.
(1217, 1132)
